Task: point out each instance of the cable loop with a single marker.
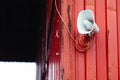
(82, 43)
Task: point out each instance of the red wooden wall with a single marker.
(101, 61)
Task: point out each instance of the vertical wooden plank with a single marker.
(118, 31)
(91, 53)
(65, 57)
(112, 40)
(80, 57)
(67, 46)
(54, 46)
(54, 54)
(100, 9)
(71, 17)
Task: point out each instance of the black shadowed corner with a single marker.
(21, 26)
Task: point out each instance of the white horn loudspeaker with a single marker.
(86, 22)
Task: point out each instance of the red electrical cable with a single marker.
(82, 43)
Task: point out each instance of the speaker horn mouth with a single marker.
(86, 23)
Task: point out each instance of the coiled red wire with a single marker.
(82, 42)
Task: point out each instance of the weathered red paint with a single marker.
(101, 61)
(54, 47)
(67, 46)
(102, 45)
(80, 57)
(91, 53)
(112, 42)
(118, 30)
